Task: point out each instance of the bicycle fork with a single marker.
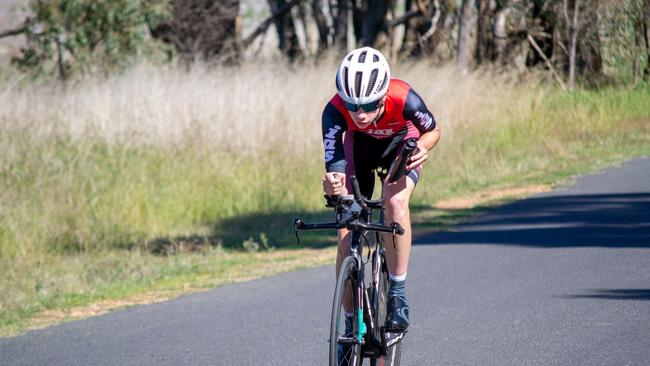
(361, 325)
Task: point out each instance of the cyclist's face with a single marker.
(363, 119)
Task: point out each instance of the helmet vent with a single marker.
(383, 82)
(375, 58)
(350, 58)
(345, 81)
(372, 81)
(357, 84)
(362, 56)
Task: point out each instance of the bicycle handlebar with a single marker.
(353, 225)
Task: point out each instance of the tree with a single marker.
(289, 44)
(467, 35)
(203, 29)
(646, 36)
(573, 37)
(484, 44)
(65, 36)
(369, 20)
(321, 23)
(339, 14)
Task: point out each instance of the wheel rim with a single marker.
(343, 349)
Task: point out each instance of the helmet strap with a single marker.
(380, 114)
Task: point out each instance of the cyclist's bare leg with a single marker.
(397, 196)
(343, 249)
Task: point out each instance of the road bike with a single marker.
(362, 287)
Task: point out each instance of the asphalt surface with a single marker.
(562, 278)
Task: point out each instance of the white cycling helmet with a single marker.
(363, 76)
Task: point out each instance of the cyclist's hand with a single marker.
(418, 157)
(334, 184)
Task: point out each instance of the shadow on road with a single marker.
(618, 220)
(602, 220)
(613, 294)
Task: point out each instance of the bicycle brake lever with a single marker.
(298, 224)
(397, 229)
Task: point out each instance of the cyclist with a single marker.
(364, 127)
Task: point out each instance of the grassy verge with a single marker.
(209, 168)
(114, 279)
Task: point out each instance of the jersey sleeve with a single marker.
(416, 111)
(333, 124)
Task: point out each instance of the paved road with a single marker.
(562, 278)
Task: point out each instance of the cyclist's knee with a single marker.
(397, 207)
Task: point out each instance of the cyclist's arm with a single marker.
(416, 111)
(333, 125)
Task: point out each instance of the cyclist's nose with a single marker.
(361, 116)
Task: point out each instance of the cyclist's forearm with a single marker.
(430, 139)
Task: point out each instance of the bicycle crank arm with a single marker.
(393, 338)
(349, 341)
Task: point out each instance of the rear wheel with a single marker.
(344, 350)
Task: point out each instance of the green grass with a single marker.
(95, 179)
(116, 275)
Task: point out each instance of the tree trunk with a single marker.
(408, 38)
(302, 13)
(589, 57)
(467, 36)
(646, 26)
(560, 54)
(341, 25)
(573, 40)
(484, 46)
(321, 23)
(374, 20)
(288, 38)
(439, 35)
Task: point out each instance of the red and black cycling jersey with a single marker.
(405, 116)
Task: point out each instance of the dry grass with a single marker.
(139, 156)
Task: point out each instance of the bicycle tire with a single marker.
(393, 353)
(352, 356)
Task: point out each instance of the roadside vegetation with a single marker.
(160, 181)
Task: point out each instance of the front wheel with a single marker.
(393, 353)
(344, 349)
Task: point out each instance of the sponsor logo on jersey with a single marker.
(424, 119)
(330, 142)
(383, 132)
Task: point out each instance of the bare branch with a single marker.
(548, 62)
(434, 22)
(14, 32)
(267, 22)
(404, 18)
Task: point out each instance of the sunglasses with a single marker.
(368, 107)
